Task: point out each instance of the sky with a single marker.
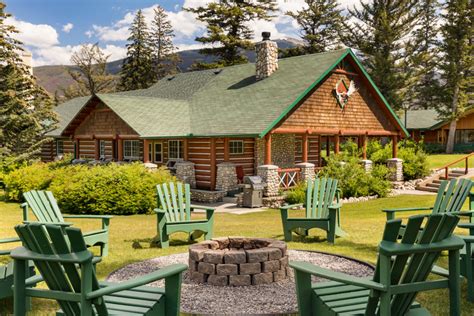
(53, 29)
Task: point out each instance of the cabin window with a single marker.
(59, 147)
(236, 147)
(464, 136)
(150, 151)
(158, 152)
(175, 149)
(102, 149)
(131, 149)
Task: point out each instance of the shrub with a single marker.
(296, 194)
(81, 189)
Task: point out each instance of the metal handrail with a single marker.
(466, 163)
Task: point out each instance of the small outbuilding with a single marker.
(215, 126)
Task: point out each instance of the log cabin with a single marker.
(273, 113)
(427, 126)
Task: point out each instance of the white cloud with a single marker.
(67, 27)
(34, 35)
(89, 33)
(111, 33)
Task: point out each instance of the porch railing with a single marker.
(289, 177)
(447, 166)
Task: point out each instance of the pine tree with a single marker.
(423, 49)
(457, 64)
(137, 68)
(90, 73)
(228, 30)
(379, 31)
(165, 58)
(320, 23)
(26, 110)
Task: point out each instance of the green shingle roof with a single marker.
(227, 101)
(421, 119)
(66, 112)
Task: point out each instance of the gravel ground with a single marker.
(273, 298)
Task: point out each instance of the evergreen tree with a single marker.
(90, 73)
(137, 68)
(457, 64)
(379, 31)
(320, 23)
(26, 110)
(165, 58)
(423, 49)
(228, 30)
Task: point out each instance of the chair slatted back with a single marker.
(452, 195)
(175, 200)
(44, 206)
(412, 268)
(320, 194)
(63, 277)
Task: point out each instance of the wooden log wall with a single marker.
(48, 151)
(313, 149)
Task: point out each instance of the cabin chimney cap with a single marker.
(266, 36)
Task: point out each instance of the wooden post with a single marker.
(268, 149)
(336, 143)
(213, 163)
(394, 146)
(226, 149)
(305, 147)
(119, 149)
(146, 150)
(78, 150)
(96, 149)
(319, 150)
(186, 150)
(364, 147)
(328, 146)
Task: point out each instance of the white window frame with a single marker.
(179, 145)
(241, 145)
(59, 152)
(155, 152)
(134, 146)
(101, 149)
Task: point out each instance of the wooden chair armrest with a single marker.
(159, 211)
(142, 280)
(335, 206)
(309, 268)
(287, 207)
(466, 225)
(21, 253)
(390, 248)
(463, 213)
(62, 224)
(391, 212)
(9, 240)
(89, 216)
(468, 239)
(201, 207)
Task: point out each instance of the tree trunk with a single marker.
(453, 123)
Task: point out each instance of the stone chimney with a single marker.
(267, 57)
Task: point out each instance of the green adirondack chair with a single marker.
(174, 214)
(467, 259)
(66, 266)
(6, 270)
(401, 272)
(46, 209)
(322, 211)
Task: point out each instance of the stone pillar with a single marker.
(269, 174)
(266, 61)
(367, 164)
(307, 171)
(185, 172)
(396, 169)
(226, 179)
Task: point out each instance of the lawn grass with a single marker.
(363, 222)
(440, 160)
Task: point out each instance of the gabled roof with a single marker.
(421, 119)
(220, 102)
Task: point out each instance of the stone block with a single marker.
(250, 268)
(227, 269)
(211, 244)
(280, 245)
(222, 241)
(214, 256)
(279, 275)
(271, 266)
(192, 265)
(197, 253)
(240, 280)
(284, 262)
(237, 242)
(262, 278)
(274, 254)
(207, 268)
(235, 256)
(219, 280)
(199, 277)
(257, 255)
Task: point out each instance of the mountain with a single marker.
(55, 77)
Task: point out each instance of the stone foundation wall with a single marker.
(269, 174)
(185, 172)
(283, 150)
(226, 179)
(207, 196)
(238, 261)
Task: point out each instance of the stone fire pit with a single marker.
(238, 261)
